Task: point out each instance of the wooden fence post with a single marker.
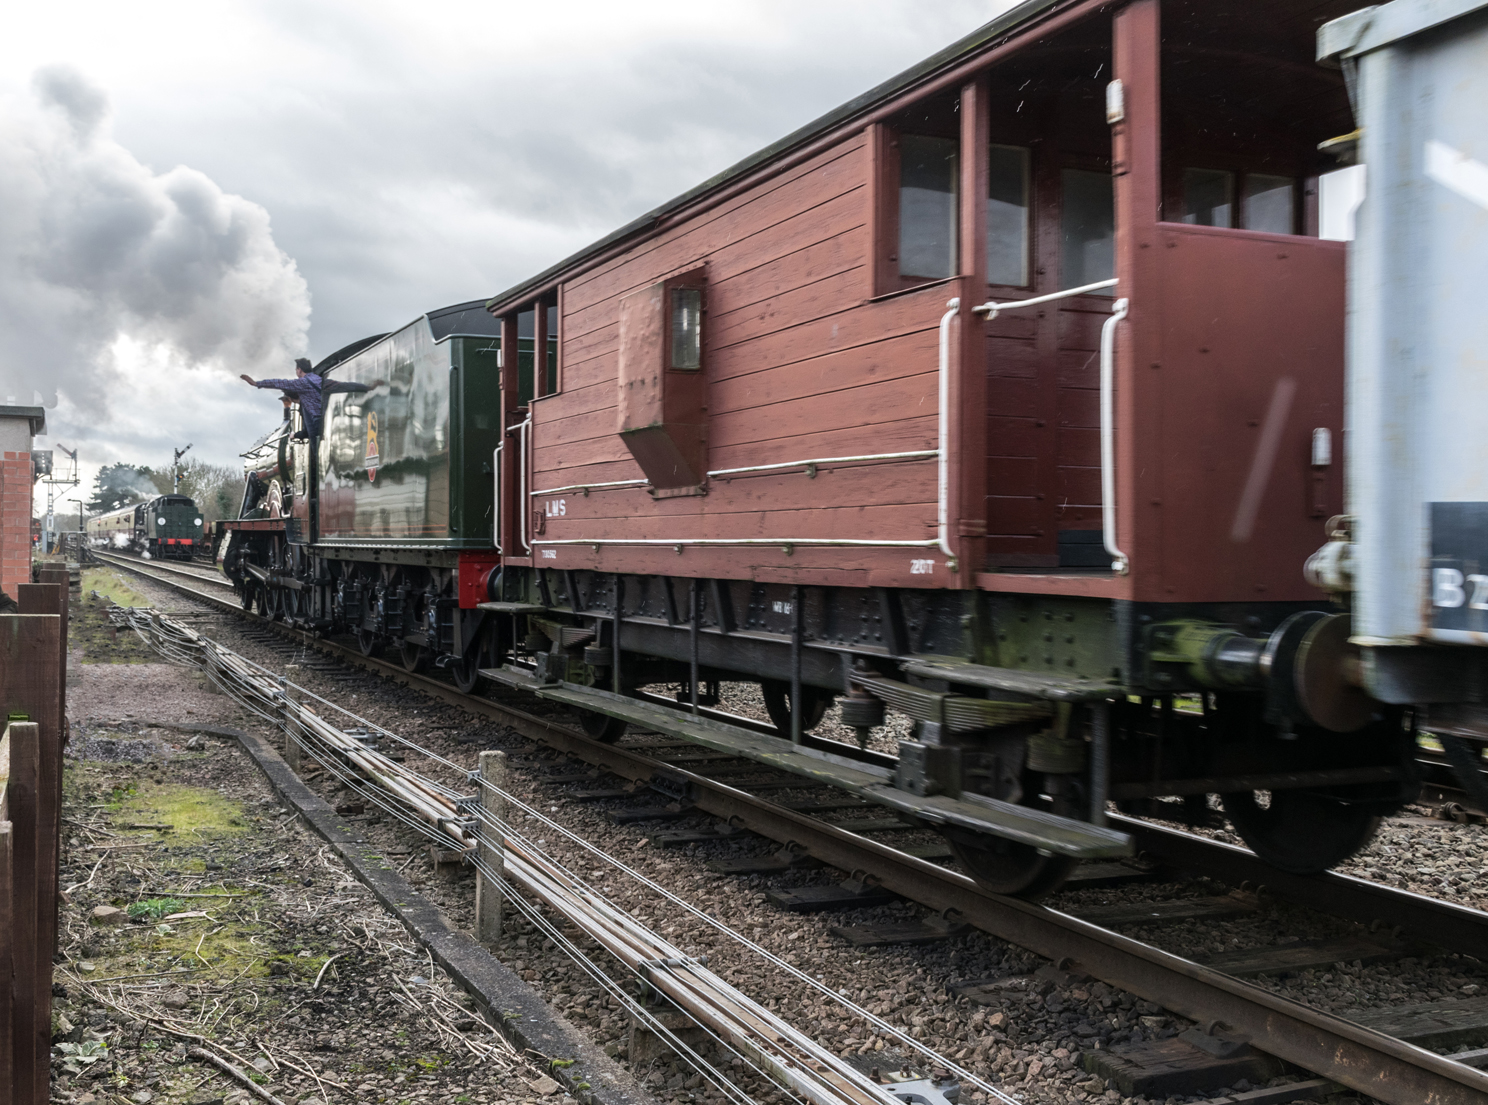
(7, 952)
(62, 578)
(50, 597)
(292, 746)
(29, 678)
(25, 1016)
(490, 849)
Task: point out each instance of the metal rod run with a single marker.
(1350, 1054)
(779, 1049)
(1359, 1058)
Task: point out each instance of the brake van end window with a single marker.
(927, 207)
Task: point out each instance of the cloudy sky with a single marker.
(192, 190)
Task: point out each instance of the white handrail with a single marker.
(943, 466)
(991, 309)
(942, 539)
(722, 473)
(496, 497)
(1119, 562)
(783, 542)
(588, 487)
(818, 462)
(522, 464)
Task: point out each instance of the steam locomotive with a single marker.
(166, 527)
(1002, 398)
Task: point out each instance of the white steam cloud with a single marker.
(96, 247)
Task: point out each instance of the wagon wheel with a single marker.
(415, 657)
(1301, 831)
(777, 694)
(465, 671)
(368, 642)
(245, 591)
(1012, 868)
(1007, 867)
(602, 727)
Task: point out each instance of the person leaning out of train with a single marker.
(304, 389)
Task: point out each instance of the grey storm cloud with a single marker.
(95, 245)
(412, 157)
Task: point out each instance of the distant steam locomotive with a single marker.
(167, 526)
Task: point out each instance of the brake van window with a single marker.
(927, 207)
(1088, 223)
(1007, 215)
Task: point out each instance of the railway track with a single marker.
(162, 570)
(1332, 1047)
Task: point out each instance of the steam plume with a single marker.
(96, 247)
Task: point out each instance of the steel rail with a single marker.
(128, 562)
(1432, 920)
(1356, 1057)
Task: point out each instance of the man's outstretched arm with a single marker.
(282, 385)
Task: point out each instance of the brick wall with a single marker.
(15, 521)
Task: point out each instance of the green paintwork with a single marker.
(1051, 635)
(475, 379)
(180, 516)
(409, 459)
(1185, 642)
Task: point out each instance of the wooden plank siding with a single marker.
(801, 362)
(812, 349)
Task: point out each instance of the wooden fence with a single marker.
(33, 689)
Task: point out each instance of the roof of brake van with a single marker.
(1004, 24)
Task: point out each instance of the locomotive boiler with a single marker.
(1003, 399)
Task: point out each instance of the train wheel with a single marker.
(465, 671)
(1007, 867)
(778, 705)
(602, 727)
(1302, 832)
(246, 596)
(368, 642)
(415, 657)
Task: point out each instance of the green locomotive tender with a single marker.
(372, 530)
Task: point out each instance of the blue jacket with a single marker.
(306, 389)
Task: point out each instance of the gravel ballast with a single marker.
(1028, 1041)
